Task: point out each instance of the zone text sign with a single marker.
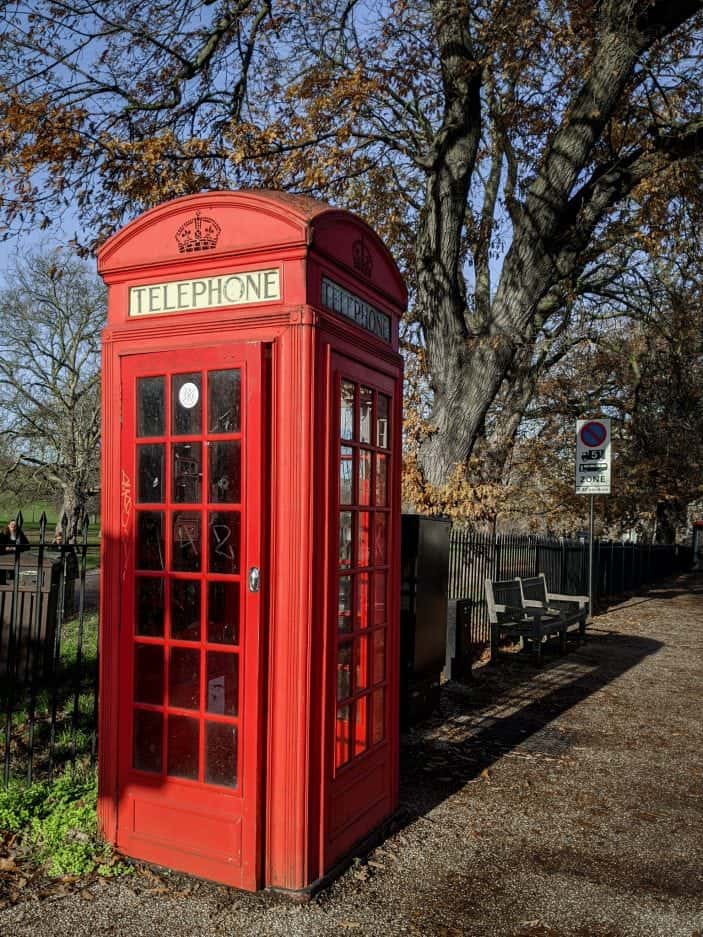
(593, 457)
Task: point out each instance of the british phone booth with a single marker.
(250, 524)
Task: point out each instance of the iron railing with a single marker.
(48, 651)
(618, 569)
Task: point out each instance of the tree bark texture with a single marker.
(470, 357)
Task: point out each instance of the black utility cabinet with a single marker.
(423, 614)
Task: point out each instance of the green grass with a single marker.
(32, 512)
(57, 827)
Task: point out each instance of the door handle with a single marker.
(254, 579)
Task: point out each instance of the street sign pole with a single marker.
(593, 460)
(590, 561)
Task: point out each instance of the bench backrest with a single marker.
(534, 589)
(504, 599)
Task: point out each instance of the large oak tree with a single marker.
(503, 147)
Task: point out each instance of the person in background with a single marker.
(14, 536)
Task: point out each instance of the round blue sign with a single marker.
(593, 434)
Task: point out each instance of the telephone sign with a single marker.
(593, 457)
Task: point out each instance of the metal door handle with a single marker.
(254, 579)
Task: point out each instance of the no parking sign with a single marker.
(593, 457)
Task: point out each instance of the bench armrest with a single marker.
(580, 600)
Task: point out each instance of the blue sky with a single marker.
(18, 245)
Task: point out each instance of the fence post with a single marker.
(562, 571)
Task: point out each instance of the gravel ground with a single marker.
(561, 803)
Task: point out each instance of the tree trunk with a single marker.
(671, 515)
(74, 507)
(469, 360)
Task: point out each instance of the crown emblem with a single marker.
(361, 257)
(197, 234)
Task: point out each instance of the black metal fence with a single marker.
(49, 624)
(48, 651)
(618, 569)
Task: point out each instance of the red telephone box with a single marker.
(250, 511)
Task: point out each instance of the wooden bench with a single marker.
(572, 609)
(510, 615)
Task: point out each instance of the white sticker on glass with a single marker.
(188, 395)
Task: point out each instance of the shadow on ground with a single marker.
(510, 705)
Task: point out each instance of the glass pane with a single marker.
(344, 604)
(378, 718)
(365, 407)
(364, 476)
(345, 475)
(378, 659)
(382, 409)
(150, 406)
(380, 538)
(363, 547)
(361, 664)
(379, 598)
(184, 678)
(150, 474)
(186, 545)
(381, 480)
(344, 661)
(345, 538)
(148, 741)
(222, 683)
(346, 411)
(223, 612)
(224, 401)
(185, 609)
(150, 540)
(223, 542)
(362, 600)
(221, 754)
(183, 747)
(186, 405)
(361, 723)
(187, 472)
(342, 749)
(224, 471)
(149, 607)
(149, 674)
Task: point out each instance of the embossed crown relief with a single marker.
(197, 234)
(361, 258)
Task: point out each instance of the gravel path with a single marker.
(561, 803)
